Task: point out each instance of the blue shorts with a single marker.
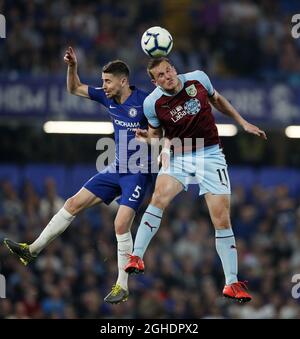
(130, 188)
(205, 167)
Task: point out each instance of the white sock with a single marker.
(57, 225)
(226, 248)
(125, 247)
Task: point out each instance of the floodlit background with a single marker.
(247, 49)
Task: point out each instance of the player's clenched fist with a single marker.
(70, 57)
(141, 134)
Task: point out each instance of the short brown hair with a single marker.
(155, 62)
(116, 67)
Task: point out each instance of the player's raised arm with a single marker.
(225, 107)
(73, 82)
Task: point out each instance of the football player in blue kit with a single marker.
(125, 105)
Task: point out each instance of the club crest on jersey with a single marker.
(191, 90)
(132, 112)
(192, 106)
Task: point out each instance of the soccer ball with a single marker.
(157, 42)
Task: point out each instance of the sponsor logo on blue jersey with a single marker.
(127, 124)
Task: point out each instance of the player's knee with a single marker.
(160, 199)
(221, 219)
(73, 206)
(121, 226)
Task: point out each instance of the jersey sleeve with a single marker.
(149, 111)
(205, 81)
(97, 94)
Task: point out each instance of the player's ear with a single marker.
(174, 69)
(124, 81)
(154, 82)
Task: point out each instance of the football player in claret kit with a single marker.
(180, 106)
(125, 105)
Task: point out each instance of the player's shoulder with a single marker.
(202, 78)
(95, 89)
(141, 94)
(150, 100)
(195, 75)
(154, 96)
(97, 94)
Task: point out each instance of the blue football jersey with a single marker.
(125, 118)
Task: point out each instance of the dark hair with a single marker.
(155, 62)
(116, 67)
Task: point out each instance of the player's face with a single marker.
(113, 85)
(165, 76)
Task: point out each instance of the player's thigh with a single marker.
(214, 178)
(81, 200)
(166, 188)
(124, 219)
(219, 209)
(179, 170)
(105, 186)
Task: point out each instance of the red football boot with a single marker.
(135, 265)
(237, 291)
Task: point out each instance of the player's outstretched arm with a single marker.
(73, 82)
(225, 107)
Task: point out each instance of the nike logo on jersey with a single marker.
(110, 106)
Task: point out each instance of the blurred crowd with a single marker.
(244, 38)
(183, 276)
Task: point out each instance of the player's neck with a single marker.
(120, 99)
(176, 89)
